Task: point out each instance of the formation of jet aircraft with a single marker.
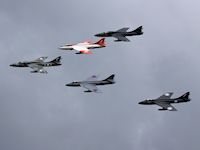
(165, 101)
(92, 82)
(121, 34)
(38, 64)
(84, 47)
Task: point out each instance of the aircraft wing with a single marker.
(90, 87)
(82, 49)
(166, 95)
(41, 59)
(37, 68)
(165, 105)
(92, 78)
(120, 37)
(122, 30)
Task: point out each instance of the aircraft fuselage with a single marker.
(111, 33)
(175, 100)
(86, 45)
(103, 82)
(43, 64)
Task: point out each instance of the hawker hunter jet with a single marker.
(165, 101)
(92, 82)
(38, 64)
(84, 47)
(121, 34)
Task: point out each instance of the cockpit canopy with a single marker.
(74, 82)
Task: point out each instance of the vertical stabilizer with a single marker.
(101, 42)
(110, 78)
(56, 60)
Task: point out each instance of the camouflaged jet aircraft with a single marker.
(91, 83)
(121, 34)
(38, 64)
(165, 101)
(84, 47)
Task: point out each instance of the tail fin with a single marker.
(138, 30)
(110, 78)
(56, 60)
(185, 96)
(101, 42)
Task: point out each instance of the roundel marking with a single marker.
(169, 108)
(167, 94)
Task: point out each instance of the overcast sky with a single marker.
(38, 112)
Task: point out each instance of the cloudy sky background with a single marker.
(38, 112)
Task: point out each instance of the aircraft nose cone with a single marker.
(12, 65)
(97, 35)
(61, 47)
(69, 84)
(141, 103)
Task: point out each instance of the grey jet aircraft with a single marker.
(121, 34)
(38, 64)
(165, 101)
(91, 83)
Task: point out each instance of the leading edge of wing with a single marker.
(166, 95)
(90, 87)
(82, 49)
(123, 29)
(92, 78)
(37, 68)
(120, 38)
(166, 105)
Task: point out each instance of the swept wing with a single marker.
(41, 59)
(122, 30)
(166, 95)
(120, 37)
(165, 105)
(37, 68)
(82, 49)
(90, 87)
(92, 78)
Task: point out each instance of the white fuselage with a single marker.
(80, 45)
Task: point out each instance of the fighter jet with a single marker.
(121, 34)
(165, 101)
(91, 83)
(38, 64)
(83, 48)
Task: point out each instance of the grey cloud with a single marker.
(39, 112)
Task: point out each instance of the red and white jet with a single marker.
(84, 47)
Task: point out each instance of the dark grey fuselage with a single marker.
(111, 33)
(165, 101)
(28, 63)
(38, 64)
(102, 82)
(171, 101)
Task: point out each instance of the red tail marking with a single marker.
(101, 42)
